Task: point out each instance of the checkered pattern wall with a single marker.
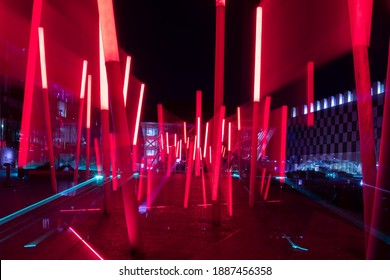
(334, 134)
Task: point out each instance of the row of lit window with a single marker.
(379, 88)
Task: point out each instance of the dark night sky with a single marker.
(172, 45)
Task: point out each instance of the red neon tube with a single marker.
(47, 108)
(256, 92)
(229, 136)
(141, 96)
(88, 125)
(166, 135)
(29, 84)
(205, 140)
(283, 146)
(97, 155)
(185, 131)
(103, 76)
(42, 57)
(310, 92)
(80, 120)
(126, 79)
(106, 15)
(238, 118)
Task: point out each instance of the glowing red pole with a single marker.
(161, 130)
(267, 188)
(377, 249)
(106, 14)
(205, 140)
(80, 122)
(229, 174)
(219, 55)
(97, 154)
(256, 100)
(218, 100)
(217, 155)
(360, 12)
(188, 175)
(29, 84)
(140, 182)
(126, 79)
(283, 144)
(262, 180)
(266, 114)
(230, 193)
(88, 128)
(229, 136)
(198, 120)
(148, 186)
(105, 117)
(113, 162)
(310, 92)
(239, 138)
(47, 109)
(203, 180)
(136, 127)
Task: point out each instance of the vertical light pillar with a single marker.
(114, 162)
(198, 121)
(218, 99)
(136, 127)
(126, 79)
(205, 140)
(47, 108)
(104, 106)
(239, 138)
(255, 115)
(377, 248)
(266, 114)
(97, 155)
(283, 144)
(189, 174)
(29, 84)
(88, 128)
(110, 46)
(80, 122)
(310, 93)
(161, 131)
(360, 13)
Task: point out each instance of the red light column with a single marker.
(283, 144)
(360, 12)
(29, 84)
(218, 100)
(266, 113)
(256, 100)
(239, 138)
(88, 128)
(198, 121)
(310, 93)
(136, 127)
(110, 46)
(377, 249)
(160, 118)
(126, 79)
(97, 155)
(47, 108)
(80, 122)
(105, 115)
